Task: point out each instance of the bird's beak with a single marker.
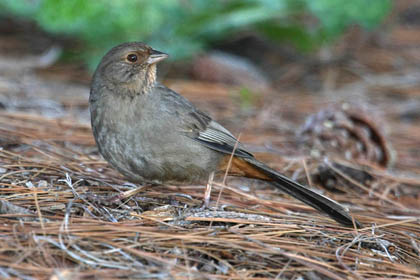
(156, 56)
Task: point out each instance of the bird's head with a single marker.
(129, 67)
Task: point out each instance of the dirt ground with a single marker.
(345, 121)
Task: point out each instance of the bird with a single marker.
(153, 135)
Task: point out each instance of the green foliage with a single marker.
(331, 18)
(182, 28)
(336, 15)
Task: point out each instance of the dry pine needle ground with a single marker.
(55, 224)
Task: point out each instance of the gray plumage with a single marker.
(152, 134)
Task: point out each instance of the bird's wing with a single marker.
(220, 139)
(200, 127)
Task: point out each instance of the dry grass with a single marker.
(55, 223)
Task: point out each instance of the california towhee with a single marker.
(152, 134)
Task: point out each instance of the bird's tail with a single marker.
(313, 199)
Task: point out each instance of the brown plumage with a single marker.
(152, 134)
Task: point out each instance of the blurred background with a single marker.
(186, 28)
(261, 67)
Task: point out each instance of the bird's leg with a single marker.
(207, 194)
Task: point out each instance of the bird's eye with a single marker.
(132, 57)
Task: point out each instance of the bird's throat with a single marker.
(150, 77)
(143, 84)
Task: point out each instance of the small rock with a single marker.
(42, 184)
(221, 67)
